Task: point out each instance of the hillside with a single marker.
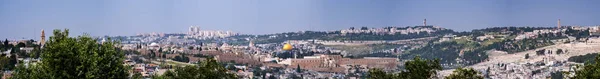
(468, 48)
(387, 33)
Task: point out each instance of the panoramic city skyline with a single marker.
(300, 39)
(25, 18)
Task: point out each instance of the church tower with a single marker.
(424, 22)
(558, 24)
(42, 39)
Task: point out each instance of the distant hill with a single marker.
(467, 48)
(387, 33)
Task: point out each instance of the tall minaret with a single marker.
(558, 26)
(43, 38)
(424, 22)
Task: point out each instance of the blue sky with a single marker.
(25, 18)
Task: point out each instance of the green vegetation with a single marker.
(67, 57)
(181, 58)
(584, 58)
(464, 73)
(137, 76)
(589, 70)
(578, 34)
(557, 75)
(208, 69)
(357, 50)
(424, 69)
(512, 29)
(449, 51)
(4, 46)
(337, 35)
(513, 46)
(298, 69)
(469, 50)
(416, 69)
(560, 51)
(259, 73)
(8, 63)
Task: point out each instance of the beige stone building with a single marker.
(338, 64)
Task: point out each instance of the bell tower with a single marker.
(424, 22)
(558, 24)
(42, 38)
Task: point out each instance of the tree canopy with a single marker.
(416, 69)
(589, 70)
(67, 57)
(208, 69)
(464, 73)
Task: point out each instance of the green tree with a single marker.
(298, 69)
(2, 47)
(380, 74)
(464, 73)
(421, 68)
(6, 43)
(12, 61)
(164, 55)
(4, 61)
(137, 76)
(152, 54)
(79, 57)
(14, 50)
(416, 69)
(191, 48)
(35, 53)
(589, 70)
(209, 69)
(19, 45)
(487, 72)
(557, 75)
(559, 51)
(526, 56)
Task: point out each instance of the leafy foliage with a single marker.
(583, 58)
(67, 57)
(464, 73)
(298, 69)
(449, 51)
(416, 69)
(182, 58)
(209, 69)
(559, 51)
(512, 29)
(380, 74)
(7, 63)
(137, 76)
(578, 34)
(337, 35)
(557, 75)
(512, 46)
(589, 70)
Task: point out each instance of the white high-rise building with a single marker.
(194, 29)
(195, 32)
